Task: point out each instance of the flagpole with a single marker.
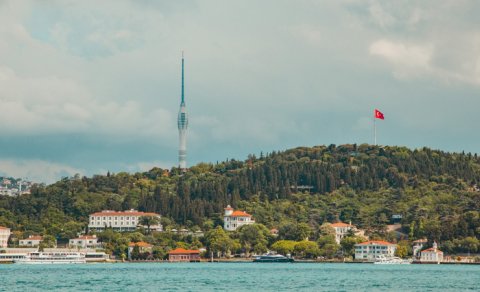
(375, 130)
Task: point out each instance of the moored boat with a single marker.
(273, 258)
(39, 257)
(382, 260)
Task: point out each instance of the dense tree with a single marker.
(306, 249)
(148, 221)
(253, 238)
(328, 247)
(218, 242)
(284, 246)
(295, 191)
(348, 244)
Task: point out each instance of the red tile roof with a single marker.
(240, 214)
(123, 213)
(140, 244)
(1, 227)
(377, 242)
(34, 237)
(341, 224)
(86, 237)
(183, 251)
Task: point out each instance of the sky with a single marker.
(94, 86)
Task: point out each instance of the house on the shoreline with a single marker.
(431, 255)
(374, 249)
(184, 255)
(143, 247)
(84, 241)
(121, 220)
(232, 220)
(31, 241)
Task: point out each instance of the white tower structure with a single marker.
(182, 127)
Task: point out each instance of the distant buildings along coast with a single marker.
(14, 186)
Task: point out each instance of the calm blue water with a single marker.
(239, 277)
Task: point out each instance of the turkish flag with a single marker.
(379, 115)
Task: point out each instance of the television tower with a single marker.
(182, 127)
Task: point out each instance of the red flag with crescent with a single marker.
(379, 115)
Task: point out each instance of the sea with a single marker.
(239, 277)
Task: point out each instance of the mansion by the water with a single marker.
(232, 220)
(121, 220)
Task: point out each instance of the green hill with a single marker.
(435, 192)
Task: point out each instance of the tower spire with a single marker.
(183, 90)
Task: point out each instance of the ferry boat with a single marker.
(273, 258)
(62, 257)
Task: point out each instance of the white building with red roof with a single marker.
(4, 235)
(341, 230)
(374, 249)
(431, 255)
(235, 219)
(84, 241)
(121, 220)
(31, 241)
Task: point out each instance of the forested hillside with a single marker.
(436, 193)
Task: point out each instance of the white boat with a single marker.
(39, 257)
(383, 260)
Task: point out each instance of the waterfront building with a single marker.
(31, 241)
(235, 219)
(121, 220)
(373, 249)
(84, 241)
(182, 127)
(341, 230)
(184, 255)
(143, 247)
(4, 235)
(417, 246)
(431, 255)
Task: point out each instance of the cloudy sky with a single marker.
(92, 86)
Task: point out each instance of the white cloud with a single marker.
(51, 104)
(407, 59)
(411, 60)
